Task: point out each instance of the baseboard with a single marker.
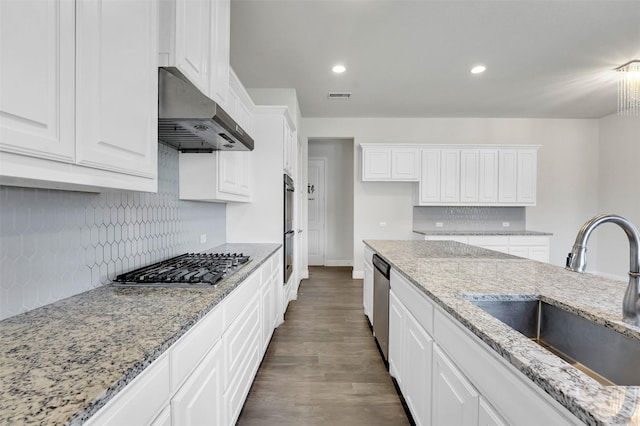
(304, 274)
(357, 275)
(339, 263)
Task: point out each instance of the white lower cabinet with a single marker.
(530, 247)
(141, 401)
(487, 416)
(200, 400)
(205, 377)
(455, 401)
(367, 285)
(449, 377)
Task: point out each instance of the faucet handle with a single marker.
(569, 257)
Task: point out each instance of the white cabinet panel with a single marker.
(450, 176)
(469, 175)
(429, 187)
(367, 292)
(164, 418)
(397, 314)
(192, 42)
(417, 381)
(200, 400)
(455, 401)
(116, 117)
(141, 401)
(376, 164)
(507, 176)
(217, 176)
(405, 164)
(526, 176)
(488, 176)
(220, 47)
(37, 78)
(487, 416)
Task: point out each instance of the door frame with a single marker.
(322, 160)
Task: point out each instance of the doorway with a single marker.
(330, 207)
(316, 210)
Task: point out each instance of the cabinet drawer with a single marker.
(192, 347)
(141, 401)
(529, 241)
(489, 241)
(239, 388)
(237, 300)
(241, 335)
(415, 302)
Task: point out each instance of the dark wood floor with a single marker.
(323, 366)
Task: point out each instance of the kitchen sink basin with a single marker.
(602, 353)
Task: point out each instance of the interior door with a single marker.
(316, 210)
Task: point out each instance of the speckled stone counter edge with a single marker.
(483, 233)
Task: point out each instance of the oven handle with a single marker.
(289, 233)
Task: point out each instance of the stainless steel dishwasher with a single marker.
(381, 304)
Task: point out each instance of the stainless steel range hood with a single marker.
(191, 122)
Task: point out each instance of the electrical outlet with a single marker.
(506, 224)
(203, 238)
(439, 224)
(383, 224)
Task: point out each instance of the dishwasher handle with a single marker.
(381, 265)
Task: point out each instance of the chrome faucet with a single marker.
(577, 261)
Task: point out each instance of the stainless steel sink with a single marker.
(604, 354)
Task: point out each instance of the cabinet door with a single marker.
(487, 416)
(455, 401)
(367, 291)
(37, 78)
(193, 41)
(450, 175)
(469, 176)
(396, 339)
(200, 400)
(526, 176)
(507, 174)
(488, 176)
(417, 381)
(430, 176)
(405, 164)
(117, 89)
(267, 309)
(376, 163)
(287, 146)
(164, 419)
(230, 170)
(220, 41)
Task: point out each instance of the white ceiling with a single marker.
(412, 58)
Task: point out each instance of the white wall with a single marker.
(567, 170)
(283, 97)
(339, 198)
(618, 191)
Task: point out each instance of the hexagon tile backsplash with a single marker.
(55, 244)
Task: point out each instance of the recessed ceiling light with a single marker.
(478, 69)
(339, 69)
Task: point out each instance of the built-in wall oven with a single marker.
(289, 233)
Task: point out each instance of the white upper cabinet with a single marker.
(477, 175)
(116, 86)
(37, 78)
(195, 39)
(84, 114)
(487, 176)
(390, 162)
(219, 176)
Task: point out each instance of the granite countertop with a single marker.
(482, 233)
(449, 272)
(62, 362)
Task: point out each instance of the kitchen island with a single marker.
(61, 363)
(447, 275)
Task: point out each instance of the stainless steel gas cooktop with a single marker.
(187, 270)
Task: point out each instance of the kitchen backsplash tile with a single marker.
(55, 244)
(469, 218)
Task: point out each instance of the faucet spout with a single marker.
(577, 261)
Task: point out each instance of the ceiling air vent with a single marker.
(339, 95)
